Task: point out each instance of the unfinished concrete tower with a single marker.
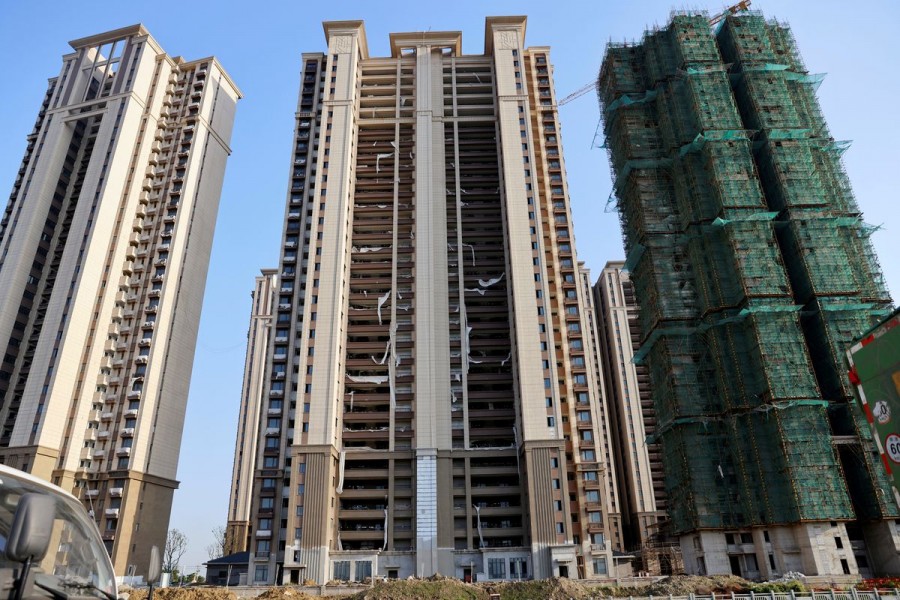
(104, 249)
(432, 406)
(753, 271)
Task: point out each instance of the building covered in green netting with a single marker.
(753, 271)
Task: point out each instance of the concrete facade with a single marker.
(99, 296)
(441, 405)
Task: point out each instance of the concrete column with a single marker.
(432, 351)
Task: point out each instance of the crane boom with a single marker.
(731, 10)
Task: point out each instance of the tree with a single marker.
(217, 548)
(176, 546)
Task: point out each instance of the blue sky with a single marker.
(260, 43)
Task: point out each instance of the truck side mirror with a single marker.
(32, 526)
(29, 535)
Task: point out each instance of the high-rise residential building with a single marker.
(252, 391)
(638, 459)
(753, 271)
(99, 296)
(431, 402)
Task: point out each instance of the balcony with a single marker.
(128, 432)
(116, 492)
(123, 452)
(112, 512)
(99, 453)
(107, 416)
(131, 413)
(91, 493)
(102, 435)
(263, 533)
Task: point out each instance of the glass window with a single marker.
(363, 569)
(496, 568)
(341, 570)
(261, 574)
(600, 566)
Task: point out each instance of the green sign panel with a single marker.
(875, 371)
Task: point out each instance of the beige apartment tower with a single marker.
(640, 476)
(431, 401)
(262, 304)
(99, 296)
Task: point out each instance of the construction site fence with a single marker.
(852, 594)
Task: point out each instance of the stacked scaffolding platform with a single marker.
(752, 269)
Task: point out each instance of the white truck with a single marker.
(49, 548)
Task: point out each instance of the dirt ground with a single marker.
(440, 588)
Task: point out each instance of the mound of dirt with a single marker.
(184, 593)
(549, 589)
(417, 589)
(284, 593)
(681, 585)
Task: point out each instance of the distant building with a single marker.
(104, 249)
(237, 533)
(639, 469)
(431, 401)
(228, 570)
(753, 272)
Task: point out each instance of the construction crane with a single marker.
(731, 10)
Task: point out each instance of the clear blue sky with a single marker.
(259, 44)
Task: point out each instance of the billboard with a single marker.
(875, 371)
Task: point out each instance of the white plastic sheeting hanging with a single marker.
(485, 284)
(452, 247)
(392, 367)
(341, 462)
(378, 160)
(506, 360)
(387, 351)
(381, 302)
(478, 522)
(367, 378)
(385, 528)
(364, 249)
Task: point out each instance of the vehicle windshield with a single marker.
(76, 563)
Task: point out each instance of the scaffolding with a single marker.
(752, 270)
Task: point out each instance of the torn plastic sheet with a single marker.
(378, 160)
(385, 527)
(381, 302)
(351, 399)
(367, 378)
(506, 360)
(485, 284)
(392, 367)
(364, 249)
(466, 346)
(340, 485)
(387, 351)
(452, 247)
(478, 522)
